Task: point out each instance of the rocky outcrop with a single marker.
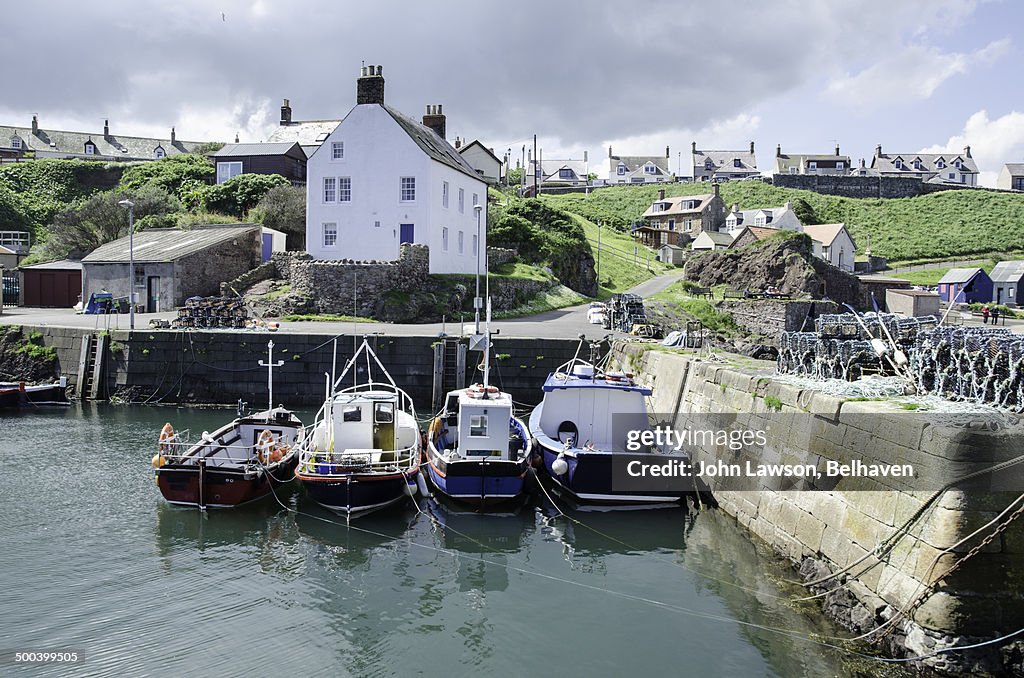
(785, 261)
(24, 358)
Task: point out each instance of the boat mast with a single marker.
(270, 365)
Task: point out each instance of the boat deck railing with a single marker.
(340, 464)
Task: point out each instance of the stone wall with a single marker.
(851, 186)
(265, 271)
(201, 274)
(496, 256)
(845, 525)
(771, 317)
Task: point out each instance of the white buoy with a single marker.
(559, 466)
(421, 483)
(879, 347)
(410, 488)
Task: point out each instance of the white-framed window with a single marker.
(461, 243)
(478, 426)
(649, 168)
(812, 164)
(710, 164)
(344, 189)
(330, 189)
(793, 169)
(563, 173)
(407, 189)
(760, 220)
(476, 244)
(337, 150)
(840, 165)
(952, 175)
(444, 195)
(897, 163)
(476, 199)
(226, 170)
(940, 163)
(444, 238)
(462, 201)
(159, 152)
(90, 148)
(620, 169)
(330, 234)
(957, 164)
(15, 142)
(736, 162)
(1010, 292)
(688, 225)
(917, 164)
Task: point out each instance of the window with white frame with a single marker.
(917, 164)
(478, 426)
(952, 175)
(476, 200)
(793, 169)
(344, 189)
(407, 189)
(226, 170)
(444, 238)
(736, 162)
(649, 168)
(760, 220)
(90, 148)
(812, 164)
(462, 201)
(940, 163)
(563, 173)
(476, 244)
(461, 237)
(330, 232)
(337, 150)
(444, 195)
(330, 189)
(15, 142)
(158, 152)
(957, 164)
(897, 163)
(840, 165)
(620, 169)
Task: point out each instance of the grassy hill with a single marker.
(947, 224)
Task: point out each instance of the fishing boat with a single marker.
(478, 452)
(363, 452)
(21, 395)
(244, 460)
(582, 422)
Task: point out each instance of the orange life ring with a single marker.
(263, 446)
(167, 437)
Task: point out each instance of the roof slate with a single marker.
(162, 245)
(724, 160)
(278, 148)
(675, 205)
(50, 142)
(884, 163)
(1008, 272)
(430, 143)
(306, 132)
(959, 275)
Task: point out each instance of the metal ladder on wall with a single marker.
(90, 365)
(449, 368)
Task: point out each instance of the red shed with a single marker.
(57, 284)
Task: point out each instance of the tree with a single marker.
(515, 176)
(804, 212)
(239, 194)
(284, 208)
(168, 173)
(100, 219)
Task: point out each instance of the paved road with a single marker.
(563, 323)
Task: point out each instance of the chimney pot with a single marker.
(837, 149)
(370, 86)
(286, 112)
(693, 147)
(736, 207)
(751, 148)
(661, 194)
(778, 150)
(435, 120)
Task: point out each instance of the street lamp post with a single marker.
(131, 261)
(479, 246)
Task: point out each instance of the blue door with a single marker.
(406, 234)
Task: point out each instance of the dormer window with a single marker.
(940, 163)
(159, 152)
(90, 148)
(957, 163)
(897, 163)
(709, 164)
(649, 168)
(621, 169)
(16, 142)
(917, 163)
(736, 162)
(565, 173)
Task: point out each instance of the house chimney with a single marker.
(862, 162)
(35, 124)
(715, 187)
(370, 86)
(667, 154)
(735, 208)
(967, 151)
(751, 148)
(458, 143)
(661, 194)
(693, 147)
(172, 135)
(778, 150)
(286, 112)
(106, 129)
(236, 137)
(789, 205)
(434, 119)
(878, 151)
(837, 149)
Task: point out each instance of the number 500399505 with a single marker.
(68, 657)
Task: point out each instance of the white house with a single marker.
(833, 243)
(638, 169)
(381, 179)
(934, 168)
(775, 217)
(482, 159)
(712, 240)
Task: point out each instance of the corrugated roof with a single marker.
(278, 148)
(62, 265)
(959, 275)
(1007, 272)
(161, 245)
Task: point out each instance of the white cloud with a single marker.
(993, 143)
(914, 72)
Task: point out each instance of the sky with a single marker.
(911, 75)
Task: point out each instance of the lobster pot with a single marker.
(212, 313)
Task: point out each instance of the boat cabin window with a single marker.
(352, 413)
(383, 413)
(478, 426)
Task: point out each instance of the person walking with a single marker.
(995, 315)
(984, 314)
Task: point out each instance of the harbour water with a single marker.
(94, 561)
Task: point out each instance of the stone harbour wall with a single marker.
(847, 525)
(771, 317)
